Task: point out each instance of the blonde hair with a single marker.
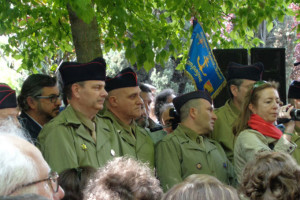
(252, 97)
(201, 187)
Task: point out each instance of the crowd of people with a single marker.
(84, 135)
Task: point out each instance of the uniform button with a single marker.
(199, 166)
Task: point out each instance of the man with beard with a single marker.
(77, 136)
(188, 150)
(123, 107)
(39, 102)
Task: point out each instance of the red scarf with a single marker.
(268, 129)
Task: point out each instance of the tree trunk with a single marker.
(85, 37)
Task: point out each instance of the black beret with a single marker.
(181, 100)
(250, 72)
(72, 72)
(7, 97)
(125, 78)
(294, 90)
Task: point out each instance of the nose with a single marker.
(140, 101)
(58, 101)
(104, 93)
(59, 194)
(214, 116)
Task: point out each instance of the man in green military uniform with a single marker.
(77, 136)
(294, 99)
(240, 78)
(123, 106)
(188, 150)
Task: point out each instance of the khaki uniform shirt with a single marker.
(184, 152)
(135, 140)
(222, 132)
(67, 142)
(250, 141)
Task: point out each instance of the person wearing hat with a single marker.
(8, 103)
(77, 136)
(239, 79)
(294, 99)
(189, 150)
(39, 101)
(124, 105)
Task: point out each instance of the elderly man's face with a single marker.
(43, 188)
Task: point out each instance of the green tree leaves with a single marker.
(149, 31)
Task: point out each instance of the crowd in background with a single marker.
(84, 135)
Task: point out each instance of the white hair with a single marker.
(17, 168)
(9, 126)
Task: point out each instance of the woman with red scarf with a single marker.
(256, 130)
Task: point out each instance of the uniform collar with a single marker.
(90, 124)
(234, 109)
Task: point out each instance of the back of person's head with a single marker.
(201, 187)
(17, 168)
(33, 87)
(271, 175)
(126, 179)
(74, 180)
(24, 197)
(252, 97)
(9, 126)
(165, 96)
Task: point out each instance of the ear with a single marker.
(234, 90)
(193, 113)
(252, 108)
(32, 103)
(113, 101)
(75, 90)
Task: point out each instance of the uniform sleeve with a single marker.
(57, 147)
(167, 164)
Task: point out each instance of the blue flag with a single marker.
(202, 67)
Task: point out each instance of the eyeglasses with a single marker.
(53, 98)
(52, 181)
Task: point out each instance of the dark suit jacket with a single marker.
(30, 126)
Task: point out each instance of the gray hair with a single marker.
(126, 179)
(185, 109)
(164, 107)
(9, 126)
(17, 168)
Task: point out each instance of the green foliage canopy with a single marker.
(150, 31)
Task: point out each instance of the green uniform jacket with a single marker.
(222, 132)
(65, 142)
(178, 156)
(156, 136)
(141, 147)
(296, 140)
(249, 142)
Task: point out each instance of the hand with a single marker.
(284, 111)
